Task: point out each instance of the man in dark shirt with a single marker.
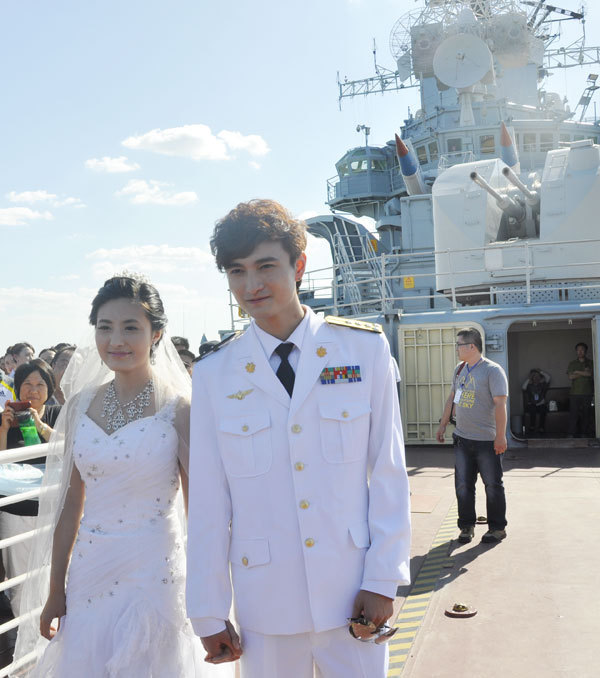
(580, 373)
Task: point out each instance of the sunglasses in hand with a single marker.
(364, 630)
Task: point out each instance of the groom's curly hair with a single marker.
(251, 223)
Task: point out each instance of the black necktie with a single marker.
(285, 373)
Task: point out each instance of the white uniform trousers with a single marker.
(328, 654)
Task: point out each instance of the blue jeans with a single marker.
(472, 456)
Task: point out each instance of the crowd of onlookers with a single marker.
(32, 386)
(55, 361)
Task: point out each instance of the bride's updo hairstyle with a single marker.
(134, 289)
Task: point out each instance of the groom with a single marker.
(298, 486)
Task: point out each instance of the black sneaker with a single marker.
(466, 534)
(493, 536)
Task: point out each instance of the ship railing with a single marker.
(15, 456)
(455, 158)
(407, 280)
(331, 187)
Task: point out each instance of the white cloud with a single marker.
(152, 193)
(149, 259)
(255, 165)
(20, 216)
(111, 165)
(30, 197)
(197, 142)
(252, 143)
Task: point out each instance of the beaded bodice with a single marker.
(136, 467)
(130, 513)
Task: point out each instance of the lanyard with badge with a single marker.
(459, 390)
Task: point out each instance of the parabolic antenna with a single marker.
(462, 60)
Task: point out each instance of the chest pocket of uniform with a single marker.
(246, 446)
(344, 430)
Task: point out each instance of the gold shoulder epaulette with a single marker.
(211, 347)
(353, 324)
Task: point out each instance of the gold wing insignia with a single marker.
(240, 395)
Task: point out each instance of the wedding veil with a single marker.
(81, 381)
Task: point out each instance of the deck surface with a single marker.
(537, 593)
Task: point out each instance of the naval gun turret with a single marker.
(491, 227)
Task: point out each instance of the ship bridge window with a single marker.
(578, 137)
(422, 154)
(529, 141)
(454, 145)
(359, 165)
(378, 165)
(487, 143)
(433, 151)
(343, 170)
(565, 138)
(546, 142)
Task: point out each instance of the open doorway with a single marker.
(547, 346)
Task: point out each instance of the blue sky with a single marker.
(128, 128)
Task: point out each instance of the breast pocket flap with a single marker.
(339, 412)
(249, 552)
(246, 425)
(360, 535)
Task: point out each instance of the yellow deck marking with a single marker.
(417, 602)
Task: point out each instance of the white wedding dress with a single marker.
(125, 587)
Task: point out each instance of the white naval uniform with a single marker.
(306, 497)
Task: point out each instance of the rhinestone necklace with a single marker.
(118, 415)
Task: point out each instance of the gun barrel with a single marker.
(532, 198)
(505, 203)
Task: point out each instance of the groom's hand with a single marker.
(223, 646)
(373, 606)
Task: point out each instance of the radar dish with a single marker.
(400, 38)
(510, 38)
(462, 60)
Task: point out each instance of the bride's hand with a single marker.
(55, 608)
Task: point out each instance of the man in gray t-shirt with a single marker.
(478, 398)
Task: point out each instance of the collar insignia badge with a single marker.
(250, 367)
(240, 395)
(321, 351)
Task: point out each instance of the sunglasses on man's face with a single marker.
(364, 630)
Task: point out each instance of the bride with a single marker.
(115, 513)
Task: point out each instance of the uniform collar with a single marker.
(270, 343)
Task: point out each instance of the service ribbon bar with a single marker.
(345, 374)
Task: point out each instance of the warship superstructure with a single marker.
(485, 207)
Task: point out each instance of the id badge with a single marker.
(457, 396)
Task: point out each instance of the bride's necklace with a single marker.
(118, 415)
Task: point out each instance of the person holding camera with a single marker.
(34, 383)
(24, 422)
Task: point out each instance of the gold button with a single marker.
(345, 414)
(304, 504)
(245, 428)
(296, 428)
(244, 561)
(309, 543)
(299, 466)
